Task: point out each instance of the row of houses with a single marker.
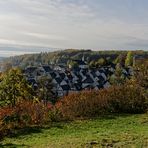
(67, 80)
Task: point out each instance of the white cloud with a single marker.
(68, 24)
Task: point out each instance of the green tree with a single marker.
(13, 87)
(44, 91)
(101, 62)
(129, 59)
(92, 64)
(118, 78)
(73, 64)
(120, 59)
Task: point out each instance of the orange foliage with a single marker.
(128, 98)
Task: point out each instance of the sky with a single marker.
(36, 25)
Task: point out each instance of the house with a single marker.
(67, 81)
(47, 68)
(140, 59)
(60, 67)
(82, 64)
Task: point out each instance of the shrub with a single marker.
(25, 113)
(83, 104)
(127, 98)
(54, 115)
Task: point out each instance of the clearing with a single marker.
(129, 131)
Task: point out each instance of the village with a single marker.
(66, 79)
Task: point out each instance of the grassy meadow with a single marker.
(129, 131)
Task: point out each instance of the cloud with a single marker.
(86, 24)
(138, 43)
(51, 20)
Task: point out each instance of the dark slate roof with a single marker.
(89, 86)
(76, 69)
(79, 77)
(53, 74)
(101, 70)
(80, 62)
(107, 72)
(100, 86)
(30, 69)
(141, 56)
(100, 78)
(65, 87)
(69, 76)
(47, 68)
(31, 81)
(62, 75)
(67, 81)
(83, 72)
(39, 74)
(59, 80)
(93, 73)
(78, 86)
(112, 65)
(88, 79)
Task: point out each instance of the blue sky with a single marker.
(95, 24)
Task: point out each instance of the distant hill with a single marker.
(2, 58)
(63, 56)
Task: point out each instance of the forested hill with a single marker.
(64, 56)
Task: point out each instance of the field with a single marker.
(129, 131)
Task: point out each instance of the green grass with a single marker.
(129, 131)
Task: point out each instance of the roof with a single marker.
(30, 69)
(59, 80)
(100, 86)
(62, 75)
(83, 72)
(88, 80)
(47, 68)
(141, 56)
(31, 81)
(53, 74)
(93, 73)
(100, 78)
(78, 86)
(89, 86)
(65, 87)
(80, 62)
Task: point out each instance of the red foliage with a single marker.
(128, 98)
(25, 113)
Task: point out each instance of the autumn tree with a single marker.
(101, 62)
(72, 64)
(92, 64)
(141, 75)
(13, 87)
(129, 59)
(120, 59)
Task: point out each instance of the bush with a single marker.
(127, 98)
(54, 115)
(83, 104)
(25, 113)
